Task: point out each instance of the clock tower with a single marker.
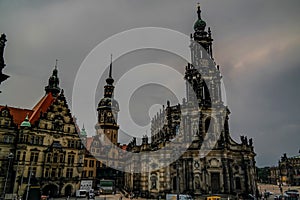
(108, 108)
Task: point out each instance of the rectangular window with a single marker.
(41, 141)
(59, 172)
(91, 163)
(84, 174)
(47, 172)
(37, 139)
(32, 140)
(33, 171)
(85, 163)
(97, 164)
(71, 159)
(18, 155)
(61, 158)
(21, 138)
(24, 156)
(34, 157)
(53, 172)
(91, 173)
(69, 173)
(48, 157)
(55, 156)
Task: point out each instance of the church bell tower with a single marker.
(108, 108)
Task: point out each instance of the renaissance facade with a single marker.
(40, 149)
(213, 162)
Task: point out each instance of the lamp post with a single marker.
(177, 178)
(177, 164)
(10, 157)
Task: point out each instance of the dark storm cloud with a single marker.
(256, 44)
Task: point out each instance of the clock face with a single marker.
(109, 114)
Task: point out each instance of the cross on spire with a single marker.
(199, 11)
(56, 63)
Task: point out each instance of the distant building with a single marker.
(287, 172)
(46, 149)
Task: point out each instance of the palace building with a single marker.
(40, 150)
(227, 168)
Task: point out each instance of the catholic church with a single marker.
(41, 146)
(213, 163)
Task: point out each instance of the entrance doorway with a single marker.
(50, 190)
(68, 190)
(215, 182)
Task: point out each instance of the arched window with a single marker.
(209, 125)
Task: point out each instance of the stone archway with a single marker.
(68, 190)
(51, 190)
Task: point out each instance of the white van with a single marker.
(181, 197)
(81, 193)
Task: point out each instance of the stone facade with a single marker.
(47, 152)
(213, 163)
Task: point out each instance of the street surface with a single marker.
(262, 188)
(102, 197)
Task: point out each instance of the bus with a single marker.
(107, 187)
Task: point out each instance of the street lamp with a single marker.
(10, 157)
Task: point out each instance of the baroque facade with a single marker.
(40, 147)
(226, 167)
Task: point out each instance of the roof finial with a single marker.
(110, 67)
(110, 80)
(199, 11)
(56, 63)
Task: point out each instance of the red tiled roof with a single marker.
(41, 106)
(19, 114)
(89, 141)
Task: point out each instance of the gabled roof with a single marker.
(19, 114)
(41, 106)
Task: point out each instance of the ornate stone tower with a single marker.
(108, 108)
(53, 83)
(3, 40)
(203, 78)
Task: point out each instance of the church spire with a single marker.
(201, 36)
(53, 83)
(110, 80)
(109, 88)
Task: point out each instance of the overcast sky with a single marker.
(256, 44)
